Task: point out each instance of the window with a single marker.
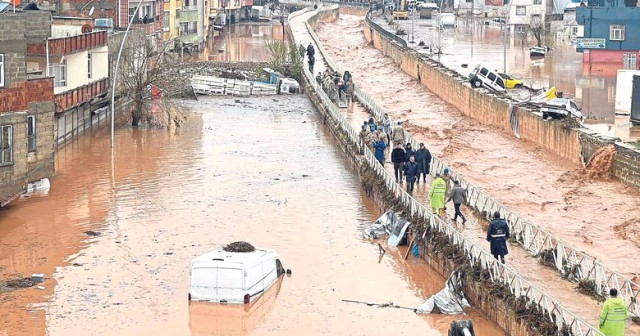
(1, 70)
(484, 71)
(521, 10)
(59, 72)
(165, 21)
(537, 2)
(89, 65)
(492, 76)
(31, 133)
(500, 82)
(6, 137)
(574, 30)
(616, 32)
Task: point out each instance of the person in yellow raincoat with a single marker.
(437, 193)
(613, 315)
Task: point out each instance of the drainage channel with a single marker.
(516, 282)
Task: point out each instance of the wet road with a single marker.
(593, 86)
(543, 189)
(261, 169)
(241, 43)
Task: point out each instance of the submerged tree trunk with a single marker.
(136, 114)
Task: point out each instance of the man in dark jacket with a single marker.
(423, 159)
(411, 170)
(458, 195)
(497, 235)
(398, 158)
(408, 152)
(311, 51)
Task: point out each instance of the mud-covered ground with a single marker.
(543, 189)
(115, 235)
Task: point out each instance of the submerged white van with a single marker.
(233, 277)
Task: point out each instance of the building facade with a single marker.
(171, 17)
(26, 104)
(612, 33)
(525, 14)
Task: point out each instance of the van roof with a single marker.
(233, 257)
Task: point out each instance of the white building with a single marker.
(525, 13)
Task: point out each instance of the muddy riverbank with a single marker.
(480, 153)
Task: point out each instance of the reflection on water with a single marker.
(241, 43)
(593, 86)
(264, 170)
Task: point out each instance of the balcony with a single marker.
(69, 45)
(153, 25)
(77, 96)
(190, 8)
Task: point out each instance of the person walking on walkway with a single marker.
(301, 50)
(613, 315)
(372, 124)
(398, 159)
(458, 195)
(436, 195)
(363, 135)
(409, 151)
(387, 122)
(398, 134)
(497, 236)
(411, 170)
(423, 159)
(379, 147)
(311, 51)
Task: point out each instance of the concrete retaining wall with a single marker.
(559, 138)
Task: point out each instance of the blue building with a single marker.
(611, 32)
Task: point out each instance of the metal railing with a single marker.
(476, 255)
(569, 261)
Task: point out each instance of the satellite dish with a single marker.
(91, 10)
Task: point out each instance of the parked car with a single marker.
(560, 108)
(233, 277)
(510, 82)
(482, 76)
(447, 20)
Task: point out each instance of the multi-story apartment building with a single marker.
(171, 17)
(192, 22)
(610, 32)
(26, 104)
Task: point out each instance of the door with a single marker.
(635, 100)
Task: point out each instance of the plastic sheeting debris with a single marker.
(388, 224)
(450, 300)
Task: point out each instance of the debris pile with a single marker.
(599, 166)
(239, 246)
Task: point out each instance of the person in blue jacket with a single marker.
(410, 171)
(379, 147)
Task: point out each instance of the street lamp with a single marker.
(115, 73)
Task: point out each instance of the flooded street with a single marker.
(115, 235)
(593, 86)
(241, 43)
(544, 189)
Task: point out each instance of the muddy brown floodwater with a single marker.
(544, 189)
(263, 170)
(241, 43)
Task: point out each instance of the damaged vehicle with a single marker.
(482, 76)
(233, 276)
(560, 108)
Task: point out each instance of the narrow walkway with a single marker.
(529, 267)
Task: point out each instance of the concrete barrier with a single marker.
(562, 139)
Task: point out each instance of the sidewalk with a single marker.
(382, 78)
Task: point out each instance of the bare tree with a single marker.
(537, 29)
(141, 82)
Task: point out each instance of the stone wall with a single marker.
(568, 141)
(499, 310)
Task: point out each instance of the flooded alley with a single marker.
(116, 233)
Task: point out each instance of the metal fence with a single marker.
(476, 255)
(388, 34)
(569, 261)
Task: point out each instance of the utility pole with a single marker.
(115, 72)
